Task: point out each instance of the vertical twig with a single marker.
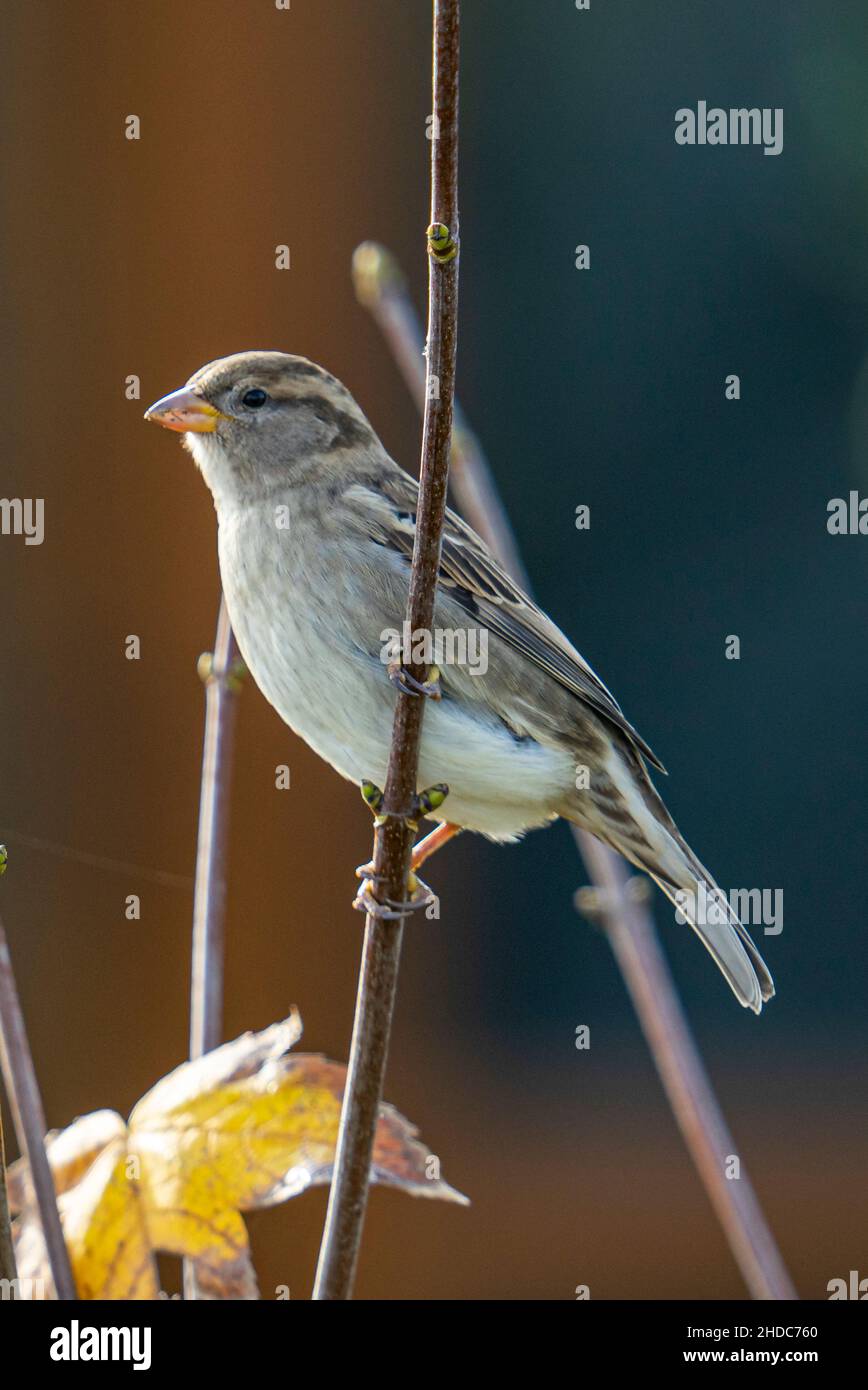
(219, 670)
(392, 844)
(21, 1087)
(381, 288)
(8, 1267)
(700, 1119)
(630, 927)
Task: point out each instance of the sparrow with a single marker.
(315, 538)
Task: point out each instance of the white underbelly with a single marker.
(296, 640)
(341, 702)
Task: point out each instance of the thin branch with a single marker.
(219, 670)
(381, 288)
(22, 1089)
(163, 877)
(393, 840)
(630, 927)
(700, 1119)
(8, 1267)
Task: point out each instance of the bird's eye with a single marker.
(254, 398)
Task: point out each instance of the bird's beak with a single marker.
(185, 410)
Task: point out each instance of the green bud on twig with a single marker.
(440, 243)
(432, 797)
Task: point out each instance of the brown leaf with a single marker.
(245, 1127)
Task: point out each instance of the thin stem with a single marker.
(711, 1146)
(26, 1103)
(381, 288)
(393, 841)
(8, 1267)
(630, 928)
(219, 671)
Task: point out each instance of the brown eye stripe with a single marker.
(347, 430)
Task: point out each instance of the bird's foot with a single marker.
(407, 683)
(389, 909)
(420, 894)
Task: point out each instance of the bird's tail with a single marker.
(701, 903)
(628, 814)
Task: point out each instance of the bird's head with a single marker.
(261, 419)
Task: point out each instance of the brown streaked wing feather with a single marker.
(486, 592)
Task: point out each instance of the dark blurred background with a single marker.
(603, 387)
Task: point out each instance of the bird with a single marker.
(316, 525)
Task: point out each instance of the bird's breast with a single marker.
(311, 640)
(294, 627)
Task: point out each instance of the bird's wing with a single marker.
(486, 592)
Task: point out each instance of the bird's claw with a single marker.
(389, 910)
(407, 683)
(420, 894)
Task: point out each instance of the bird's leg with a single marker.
(423, 804)
(402, 679)
(433, 841)
(421, 895)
